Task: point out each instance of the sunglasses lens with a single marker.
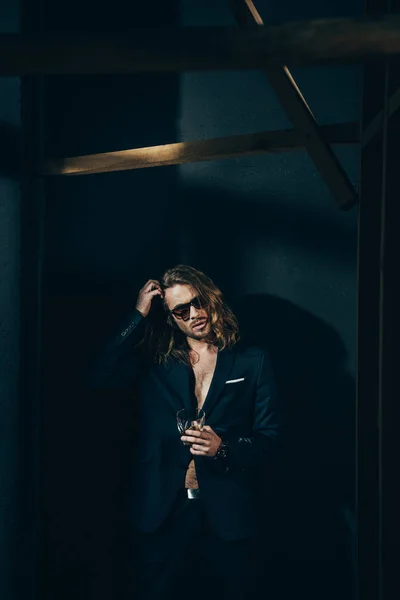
(196, 303)
(184, 311)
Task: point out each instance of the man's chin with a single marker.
(201, 335)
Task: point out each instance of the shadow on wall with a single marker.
(310, 521)
(10, 150)
(315, 480)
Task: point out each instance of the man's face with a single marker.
(196, 325)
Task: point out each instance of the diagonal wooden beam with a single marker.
(323, 41)
(252, 144)
(377, 121)
(301, 116)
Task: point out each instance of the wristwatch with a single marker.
(222, 451)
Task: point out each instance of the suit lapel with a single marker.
(179, 387)
(223, 368)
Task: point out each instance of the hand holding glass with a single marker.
(190, 419)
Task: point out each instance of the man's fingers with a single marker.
(198, 452)
(193, 432)
(197, 433)
(151, 289)
(194, 440)
(150, 284)
(208, 429)
(200, 449)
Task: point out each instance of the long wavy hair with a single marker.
(164, 339)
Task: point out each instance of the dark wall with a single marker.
(10, 124)
(268, 232)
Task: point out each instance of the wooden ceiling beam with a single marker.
(323, 41)
(300, 114)
(252, 144)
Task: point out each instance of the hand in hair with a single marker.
(145, 297)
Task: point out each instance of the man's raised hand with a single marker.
(145, 297)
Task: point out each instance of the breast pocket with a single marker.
(238, 392)
(239, 380)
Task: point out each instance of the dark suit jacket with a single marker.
(245, 413)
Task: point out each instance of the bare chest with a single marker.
(203, 374)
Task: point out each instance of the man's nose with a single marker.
(193, 312)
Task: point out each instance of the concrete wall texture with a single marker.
(10, 123)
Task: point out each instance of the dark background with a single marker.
(265, 229)
(10, 125)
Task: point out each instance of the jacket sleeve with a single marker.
(119, 363)
(259, 450)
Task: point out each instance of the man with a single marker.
(196, 494)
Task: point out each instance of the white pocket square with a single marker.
(235, 380)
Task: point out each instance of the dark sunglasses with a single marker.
(183, 311)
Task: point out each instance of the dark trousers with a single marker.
(186, 558)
